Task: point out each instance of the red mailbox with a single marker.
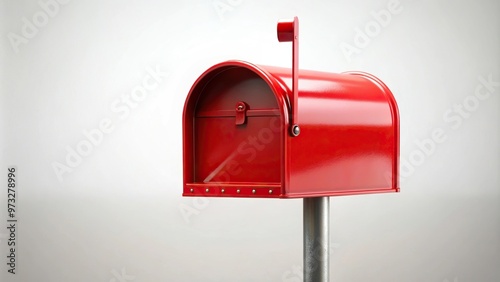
(269, 132)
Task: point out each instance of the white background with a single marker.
(118, 215)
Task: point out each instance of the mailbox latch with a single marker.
(241, 113)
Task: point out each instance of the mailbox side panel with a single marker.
(349, 140)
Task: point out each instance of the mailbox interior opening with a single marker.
(237, 137)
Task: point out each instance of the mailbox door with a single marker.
(237, 137)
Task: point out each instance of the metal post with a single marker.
(316, 239)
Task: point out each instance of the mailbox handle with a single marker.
(288, 30)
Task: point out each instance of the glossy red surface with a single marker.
(349, 140)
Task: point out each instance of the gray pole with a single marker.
(316, 239)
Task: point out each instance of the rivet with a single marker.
(191, 190)
(270, 191)
(207, 190)
(253, 191)
(238, 191)
(222, 191)
(295, 130)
